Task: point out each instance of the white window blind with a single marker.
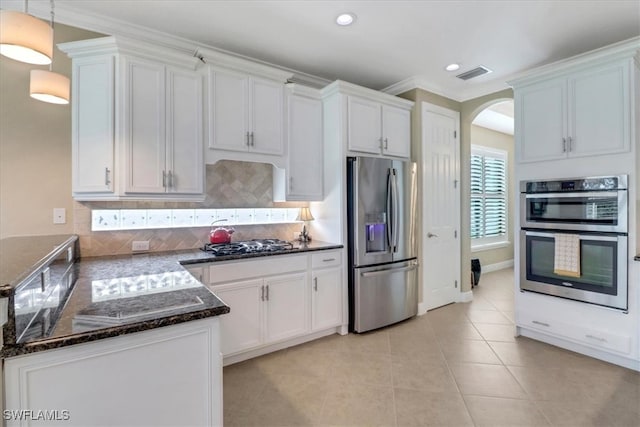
(488, 195)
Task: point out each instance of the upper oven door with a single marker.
(581, 210)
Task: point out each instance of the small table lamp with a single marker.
(304, 215)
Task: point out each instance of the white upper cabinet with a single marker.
(93, 125)
(154, 149)
(302, 178)
(364, 121)
(163, 129)
(365, 125)
(377, 128)
(583, 112)
(247, 113)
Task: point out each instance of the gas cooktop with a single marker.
(248, 247)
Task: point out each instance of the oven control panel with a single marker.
(603, 183)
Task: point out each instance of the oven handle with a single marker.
(603, 193)
(582, 236)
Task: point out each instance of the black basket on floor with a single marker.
(476, 269)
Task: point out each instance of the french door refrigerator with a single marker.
(383, 280)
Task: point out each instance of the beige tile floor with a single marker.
(459, 365)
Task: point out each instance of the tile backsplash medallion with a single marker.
(229, 184)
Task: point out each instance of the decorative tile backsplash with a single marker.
(229, 184)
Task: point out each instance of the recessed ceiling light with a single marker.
(452, 67)
(345, 19)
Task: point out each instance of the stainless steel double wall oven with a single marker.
(595, 209)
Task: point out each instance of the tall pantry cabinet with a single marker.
(137, 116)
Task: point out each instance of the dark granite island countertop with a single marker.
(117, 295)
(637, 258)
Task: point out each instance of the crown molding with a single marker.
(624, 49)
(342, 87)
(133, 32)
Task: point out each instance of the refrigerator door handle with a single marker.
(396, 210)
(383, 272)
(389, 219)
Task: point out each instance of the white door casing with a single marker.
(440, 206)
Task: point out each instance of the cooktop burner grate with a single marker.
(248, 246)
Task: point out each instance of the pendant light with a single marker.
(48, 86)
(25, 38)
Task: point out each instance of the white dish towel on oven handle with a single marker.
(567, 255)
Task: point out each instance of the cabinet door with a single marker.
(599, 111)
(185, 163)
(396, 131)
(305, 172)
(229, 105)
(93, 125)
(365, 127)
(144, 117)
(326, 299)
(541, 121)
(241, 328)
(286, 308)
(267, 117)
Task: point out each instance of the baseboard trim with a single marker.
(497, 266)
(465, 296)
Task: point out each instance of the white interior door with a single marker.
(440, 205)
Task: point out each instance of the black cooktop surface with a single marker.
(248, 246)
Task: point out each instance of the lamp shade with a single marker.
(304, 215)
(25, 38)
(50, 87)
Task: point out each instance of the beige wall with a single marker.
(492, 139)
(468, 111)
(35, 148)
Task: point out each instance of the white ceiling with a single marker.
(391, 41)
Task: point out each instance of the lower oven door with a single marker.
(603, 268)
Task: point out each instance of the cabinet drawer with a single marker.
(326, 259)
(245, 269)
(587, 336)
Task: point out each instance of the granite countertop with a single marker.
(636, 258)
(116, 295)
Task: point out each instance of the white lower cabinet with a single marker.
(326, 299)
(275, 300)
(165, 376)
(285, 307)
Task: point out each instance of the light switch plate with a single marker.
(59, 216)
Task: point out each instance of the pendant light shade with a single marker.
(25, 38)
(49, 87)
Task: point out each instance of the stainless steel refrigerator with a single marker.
(383, 279)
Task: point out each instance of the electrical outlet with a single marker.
(139, 245)
(59, 216)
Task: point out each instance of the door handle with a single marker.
(430, 235)
(387, 271)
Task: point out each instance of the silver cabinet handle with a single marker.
(386, 143)
(328, 259)
(266, 297)
(107, 181)
(564, 145)
(315, 284)
(262, 293)
(537, 322)
(570, 144)
(380, 140)
(430, 235)
(251, 137)
(164, 179)
(170, 179)
(247, 137)
(593, 337)
(290, 183)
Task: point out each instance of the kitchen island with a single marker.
(123, 340)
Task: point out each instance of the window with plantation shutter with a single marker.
(488, 190)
